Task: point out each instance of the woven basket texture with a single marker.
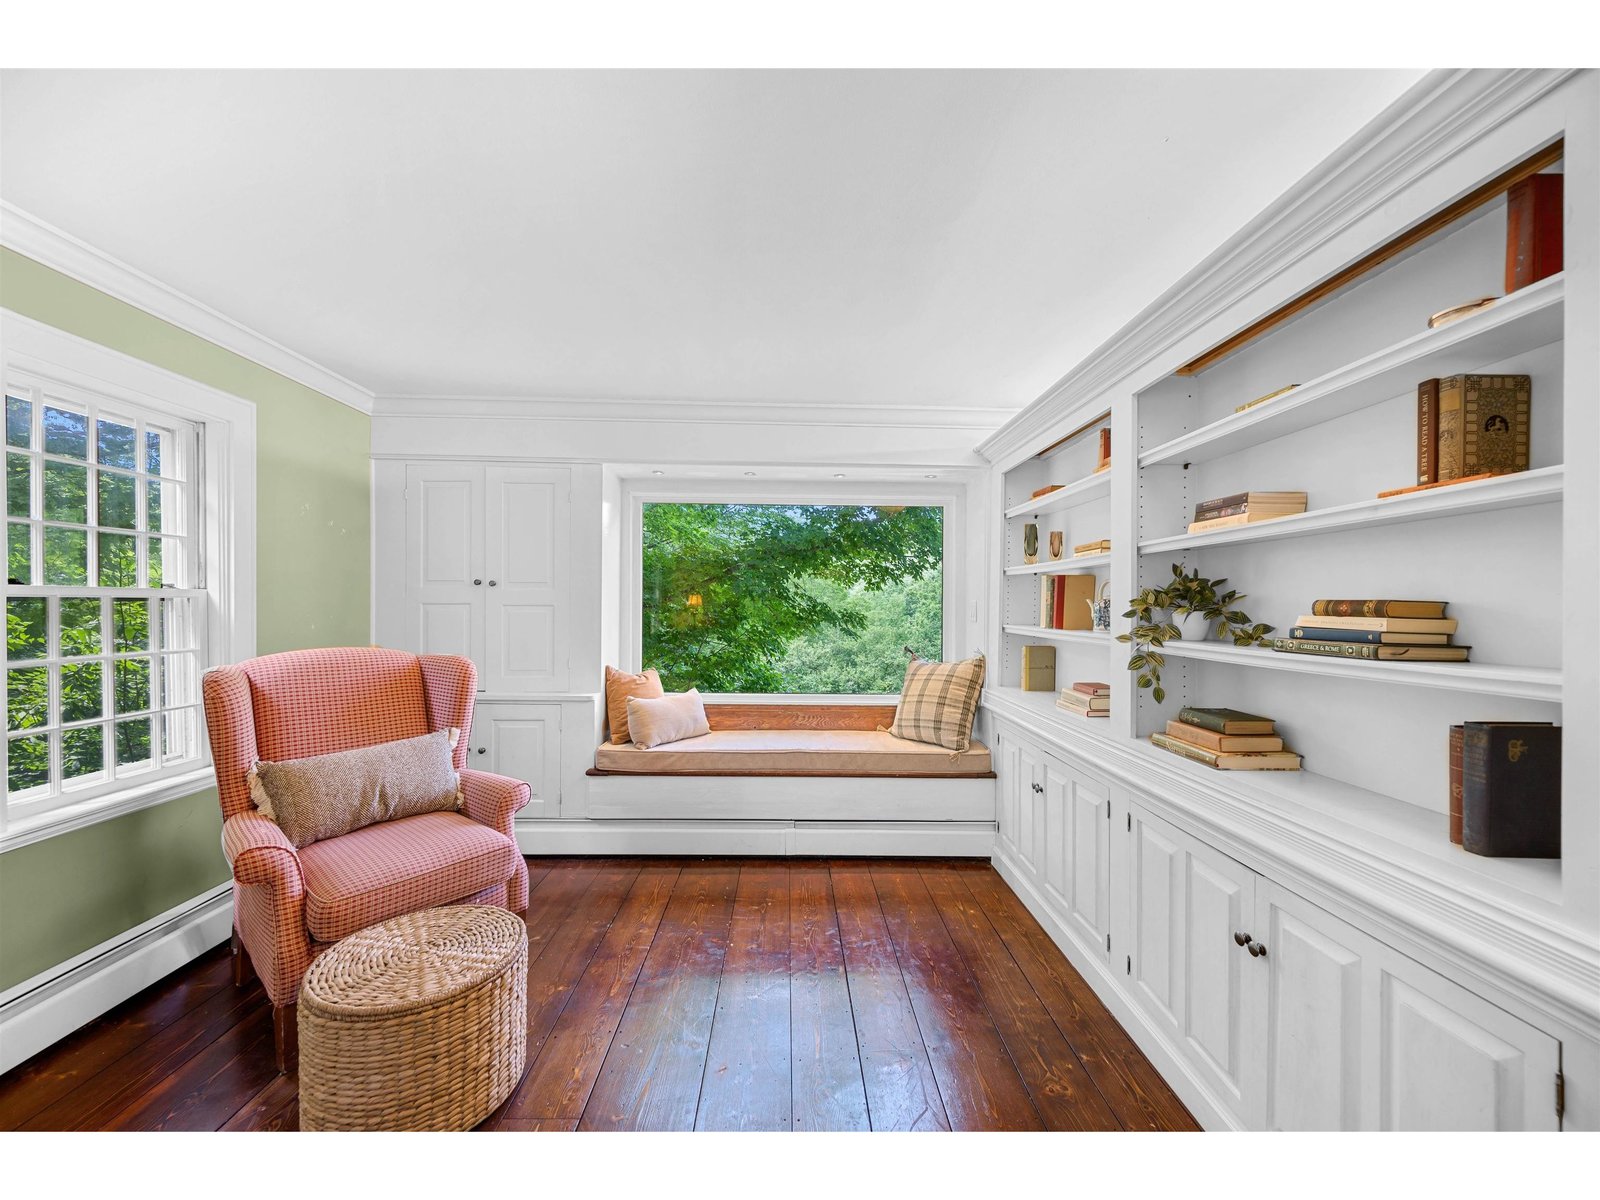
(418, 1023)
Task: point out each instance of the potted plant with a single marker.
(1187, 598)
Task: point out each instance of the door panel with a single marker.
(527, 530)
(443, 592)
(1217, 897)
(1089, 803)
(522, 741)
(447, 628)
(1030, 811)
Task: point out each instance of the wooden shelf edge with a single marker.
(1079, 491)
(1065, 566)
(1544, 485)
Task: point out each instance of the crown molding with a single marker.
(1445, 111)
(692, 412)
(60, 251)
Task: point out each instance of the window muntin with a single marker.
(790, 598)
(105, 604)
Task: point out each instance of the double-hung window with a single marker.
(110, 621)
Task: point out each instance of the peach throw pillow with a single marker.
(619, 686)
(672, 718)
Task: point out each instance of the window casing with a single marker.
(127, 543)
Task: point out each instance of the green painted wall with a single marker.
(63, 895)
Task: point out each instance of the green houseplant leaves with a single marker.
(1183, 595)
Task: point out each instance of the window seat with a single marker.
(796, 752)
(793, 763)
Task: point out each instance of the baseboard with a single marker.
(40, 1011)
(885, 839)
(1156, 1046)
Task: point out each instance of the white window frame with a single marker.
(636, 493)
(227, 482)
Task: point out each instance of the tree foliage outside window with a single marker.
(790, 598)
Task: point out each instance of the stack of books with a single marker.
(1086, 699)
(1099, 546)
(1375, 630)
(1245, 508)
(1227, 740)
(1064, 601)
(1505, 788)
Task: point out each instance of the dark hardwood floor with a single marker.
(677, 994)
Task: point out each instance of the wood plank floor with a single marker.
(680, 994)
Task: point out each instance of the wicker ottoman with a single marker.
(418, 1023)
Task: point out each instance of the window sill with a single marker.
(105, 808)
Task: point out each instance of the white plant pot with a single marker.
(1193, 627)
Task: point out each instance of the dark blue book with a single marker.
(1317, 633)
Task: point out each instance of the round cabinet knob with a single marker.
(1241, 939)
(492, 583)
(483, 749)
(1257, 950)
(477, 583)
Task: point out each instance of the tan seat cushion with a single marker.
(619, 686)
(793, 752)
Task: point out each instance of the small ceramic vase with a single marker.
(1030, 543)
(1056, 539)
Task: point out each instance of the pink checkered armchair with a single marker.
(289, 904)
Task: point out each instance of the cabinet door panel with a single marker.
(527, 530)
(1217, 900)
(1315, 1035)
(443, 606)
(1090, 892)
(1453, 1061)
(522, 741)
(1030, 811)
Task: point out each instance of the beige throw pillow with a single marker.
(670, 718)
(619, 686)
(313, 799)
(938, 702)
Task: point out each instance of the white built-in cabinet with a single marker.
(521, 741)
(486, 553)
(1276, 1012)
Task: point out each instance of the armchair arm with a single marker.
(493, 800)
(269, 902)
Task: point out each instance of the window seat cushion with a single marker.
(795, 752)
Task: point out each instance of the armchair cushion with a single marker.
(313, 799)
(398, 867)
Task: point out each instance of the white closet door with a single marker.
(444, 556)
(1077, 850)
(521, 741)
(1029, 835)
(527, 529)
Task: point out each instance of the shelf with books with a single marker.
(1061, 566)
(1081, 491)
(1396, 831)
(1488, 679)
(1546, 485)
(1526, 319)
(1041, 706)
(1086, 636)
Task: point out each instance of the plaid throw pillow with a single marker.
(938, 702)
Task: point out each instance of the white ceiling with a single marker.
(880, 237)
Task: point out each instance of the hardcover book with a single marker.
(1087, 703)
(1326, 633)
(1511, 790)
(1038, 668)
(1378, 608)
(1383, 624)
(1374, 653)
(1249, 517)
(1222, 742)
(1075, 591)
(1047, 602)
(1447, 444)
(1225, 720)
(1058, 602)
(1456, 732)
(1427, 430)
(1064, 706)
(1494, 424)
(1104, 459)
(1092, 689)
(1287, 501)
(1269, 760)
(1533, 230)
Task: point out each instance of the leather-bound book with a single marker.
(1378, 608)
(1456, 734)
(1494, 424)
(1511, 790)
(1427, 431)
(1533, 230)
(1447, 444)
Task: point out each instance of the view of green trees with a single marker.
(790, 598)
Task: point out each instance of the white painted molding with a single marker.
(1445, 112)
(692, 412)
(105, 808)
(41, 1011)
(59, 250)
(876, 839)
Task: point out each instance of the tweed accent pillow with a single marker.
(619, 686)
(938, 702)
(313, 799)
(671, 718)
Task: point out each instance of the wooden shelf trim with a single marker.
(1526, 319)
(1079, 491)
(1487, 679)
(1543, 486)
